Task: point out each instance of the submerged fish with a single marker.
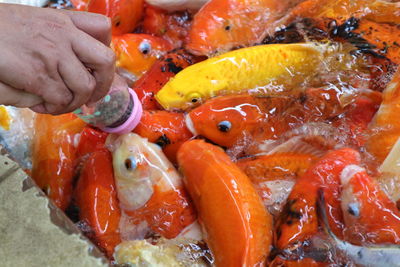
(369, 214)
(373, 256)
(150, 189)
(225, 24)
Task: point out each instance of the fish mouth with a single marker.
(189, 125)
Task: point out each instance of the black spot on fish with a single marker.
(227, 27)
(163, 141)
(172, 67)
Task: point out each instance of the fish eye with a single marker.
(354, 209)
(224, 126)
(194, 97)
(130, 163)
(145, 47)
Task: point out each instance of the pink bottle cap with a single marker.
(133, 119)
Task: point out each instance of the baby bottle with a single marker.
(118, 112)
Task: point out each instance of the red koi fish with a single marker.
(369, 214)
(299, 221)
(96, 197)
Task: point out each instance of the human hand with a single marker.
(46, 55)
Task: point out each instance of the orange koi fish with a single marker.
(166, 129)
(159, 74)
(238, 228)
(136, 53)
(274, 175)
(298, 220)
(53, 156)
(124, 14)
(385, 128)
(96, 197)
(221, 25)
(376, 10)
(369, 214)
(228, 120)
(150, 190)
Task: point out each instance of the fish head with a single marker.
(349, 202)
(132, 170)
(136, 53)
(224, 120)
(171, 97)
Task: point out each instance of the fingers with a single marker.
(96, 25)
(78, 80)
(99, 58)
(18, 98)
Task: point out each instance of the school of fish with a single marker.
(270, 136)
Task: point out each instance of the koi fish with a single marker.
(298, 221)
(96, 197)
(228, 120)
(136, 53)
(372, 256)
(377, 10)
(369, 214)
(238, 228)
(124, 14)
(166, 129)
(385, 129)
(150, 190)
(274, 175)
(243, 70)
(53, 156)
(221, 25)
(159, 74)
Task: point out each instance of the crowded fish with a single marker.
(270, 136)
